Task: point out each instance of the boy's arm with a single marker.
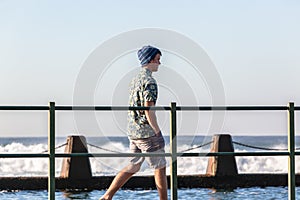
(151, 117)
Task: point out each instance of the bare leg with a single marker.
(161, 183)
(122, 177)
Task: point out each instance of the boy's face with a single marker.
(154, 63)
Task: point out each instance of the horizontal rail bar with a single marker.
(283, 153)
(108, 108)
(62, 155)
(204, 154)
(24, 108)
(179, 108)
(231, 108)
(125, 108)
(24, 155)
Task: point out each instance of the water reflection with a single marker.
(227, 190)
(252, 193)
(218, 194)
(73, 194)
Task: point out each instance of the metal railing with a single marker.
(52, 108)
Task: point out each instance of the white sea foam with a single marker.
(21, 166)
(110, 166)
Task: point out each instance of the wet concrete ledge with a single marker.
(147, 182)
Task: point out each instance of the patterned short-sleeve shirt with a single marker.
(143, 88)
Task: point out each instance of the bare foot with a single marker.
(105, 198)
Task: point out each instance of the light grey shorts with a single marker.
(154, 144)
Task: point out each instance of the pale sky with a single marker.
(254, 46)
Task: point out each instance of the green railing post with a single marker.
(173, 149)
(291, 149)
(51, 151)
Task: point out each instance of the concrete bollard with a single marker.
(222, 165)
(76, 167)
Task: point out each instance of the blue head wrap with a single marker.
(147, 53)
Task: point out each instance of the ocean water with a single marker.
(254, 193)
(110, 166)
